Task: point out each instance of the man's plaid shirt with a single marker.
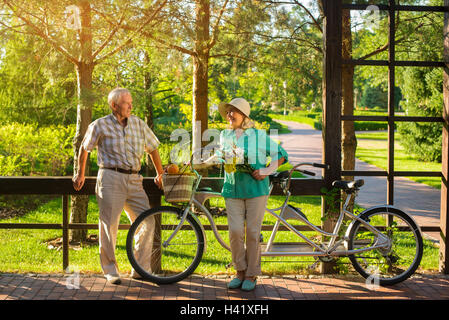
(118, 146)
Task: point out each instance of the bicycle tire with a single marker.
(412, 253)
(174, 265)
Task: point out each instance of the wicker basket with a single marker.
(178, 188)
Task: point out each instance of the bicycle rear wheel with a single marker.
(170, 262)
(392, 264)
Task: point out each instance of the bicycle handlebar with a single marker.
(316, 165)
(321, 165)
(310, 173)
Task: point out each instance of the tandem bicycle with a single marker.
(383, 242)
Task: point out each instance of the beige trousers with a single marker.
(116, 191)
(246, 250)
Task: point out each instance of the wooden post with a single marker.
(391, 82)
(65, 232)
(444, 213)
(332, 94)
(155, 201)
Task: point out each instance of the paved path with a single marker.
(304, 144)
(95, 287)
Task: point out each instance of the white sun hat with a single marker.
(241, 104)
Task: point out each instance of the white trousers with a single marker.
(245, 251)
(116, 191)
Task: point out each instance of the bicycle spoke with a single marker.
(397, 259)
(168, 262)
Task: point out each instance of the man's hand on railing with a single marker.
(78, 182)
(79, 178)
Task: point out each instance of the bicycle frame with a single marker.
(331, 249)
(317, 249)
(199, 203)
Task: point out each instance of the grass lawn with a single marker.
(372, 147)
(25, 251)
(298, 117)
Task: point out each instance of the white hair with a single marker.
(248, 123)
(114, 95)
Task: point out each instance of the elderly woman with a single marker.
(246, 187)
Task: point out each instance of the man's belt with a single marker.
(127, 171)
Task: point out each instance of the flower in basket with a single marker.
(236, 160)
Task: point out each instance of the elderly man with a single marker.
(121, 139)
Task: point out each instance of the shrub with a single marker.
(423, 140)
(28, 150)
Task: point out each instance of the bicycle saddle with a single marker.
(348, 186)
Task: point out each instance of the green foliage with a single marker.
(186, 109)
(36, 85)
(423, 88)
(28, 150)
(333, 201)
(374, 96)
(423, 140)
(418, 37)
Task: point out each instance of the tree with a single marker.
(265, 43)
(32, 89)
(199, 36)
(374, 97)
(71, 31)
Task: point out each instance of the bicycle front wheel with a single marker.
(395, 262)
(155, 259)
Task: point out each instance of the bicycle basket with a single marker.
(178, 187)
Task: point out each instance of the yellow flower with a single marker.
(230, 167)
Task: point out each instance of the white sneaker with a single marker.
(113, 278)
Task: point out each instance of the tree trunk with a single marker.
(84, 71)
(200, 73)
(349, 141)
(148, 84)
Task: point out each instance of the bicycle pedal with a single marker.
(314, 265)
